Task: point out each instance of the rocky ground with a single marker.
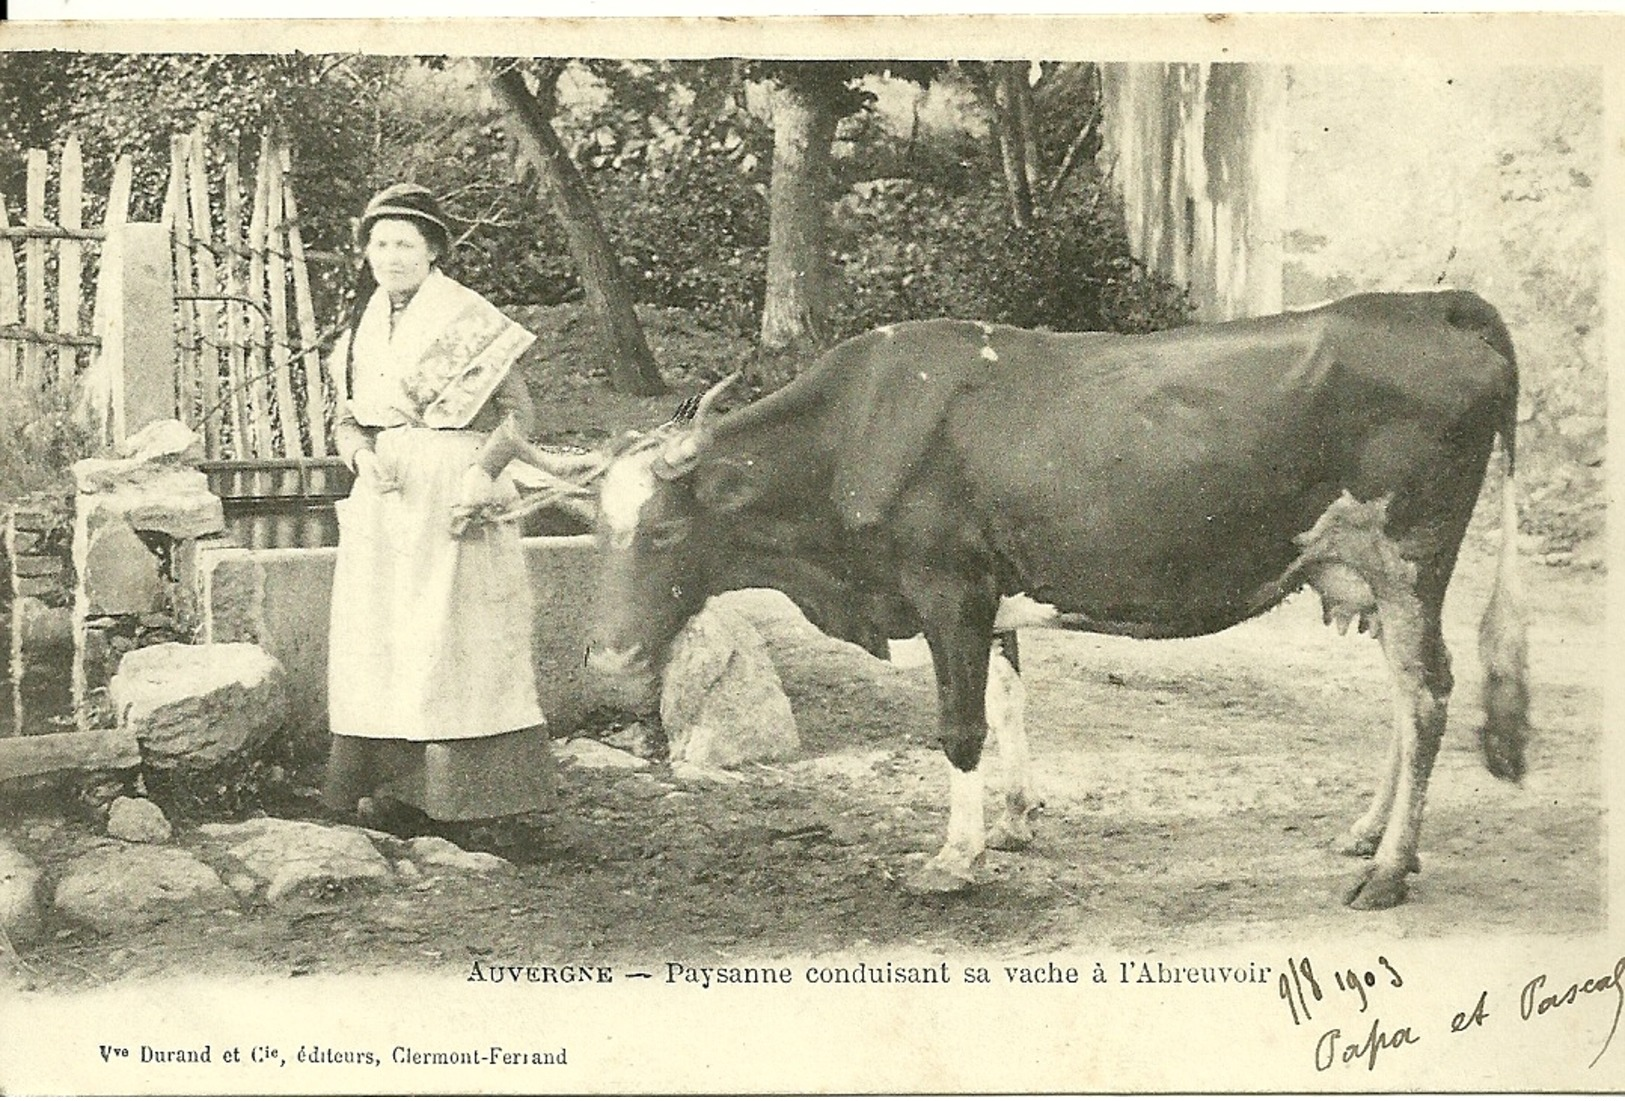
(1192, 789)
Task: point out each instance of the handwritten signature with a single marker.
(1330, 1048)
(1532, 1003)
(1301, 988)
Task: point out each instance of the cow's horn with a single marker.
(683, 451)
(578, 468)
(710, 398)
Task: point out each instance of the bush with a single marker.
(43, 441)
(910, 250)
(693, 235)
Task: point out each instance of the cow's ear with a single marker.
(679, 457)
(727, 485)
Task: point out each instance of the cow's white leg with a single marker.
(1364, 835)
(1007, 725)
(1362, 573)
(958, 613)
(954, 867)
(1419, 729)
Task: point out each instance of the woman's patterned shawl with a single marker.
(449, 352)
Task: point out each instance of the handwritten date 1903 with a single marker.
(1300, 986)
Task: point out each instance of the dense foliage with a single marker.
(693, 235)
(328, 107)
(919, 228)
(677, 161)
(43, 439)
(911, 250)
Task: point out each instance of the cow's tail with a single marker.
(1503, 633)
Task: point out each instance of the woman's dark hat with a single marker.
(404, 200)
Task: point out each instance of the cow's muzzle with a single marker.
(625, 675)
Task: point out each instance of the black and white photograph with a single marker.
(810, 555)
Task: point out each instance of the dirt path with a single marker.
(1192, 789)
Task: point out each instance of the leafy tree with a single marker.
(328, 106)
(631, 365)
(1044, 120)
(809, 100)
(679, 167)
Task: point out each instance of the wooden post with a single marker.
(236, 375)
(95, 402)
(293, 445)
(187, 373)
(318, 392)
(10, 305)
(118, 195)
(34, 263)
(256, 290)
(70, 257)
(138, 344)
(208, 313)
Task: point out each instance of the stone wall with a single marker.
(1487, 180)
(1346, 179)
(36, 540)
(137, 522)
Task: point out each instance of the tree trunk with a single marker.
(1026, 117)
(1012, 110)
(794, 314)
(631, 365)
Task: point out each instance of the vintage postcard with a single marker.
(811, 555)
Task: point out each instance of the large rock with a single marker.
(841, 694)
(117, 886)
(198, 705)
(149, 496)
(278, 600)
(165, 439)
(137, 820)
(20, 905)
(439, 853)
(118, 572)
(301, 857)
(721, 702)
(589, 753)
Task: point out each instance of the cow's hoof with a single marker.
(1367, 847)
(938, 877)
(1354, 845)
(1010, 835)
(1377, 888)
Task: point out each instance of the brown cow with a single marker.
(922, 476)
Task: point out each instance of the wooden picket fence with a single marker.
(249, 370)
(45, 344)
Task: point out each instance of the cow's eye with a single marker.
(669, 534)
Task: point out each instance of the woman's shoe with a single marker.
(380, 812)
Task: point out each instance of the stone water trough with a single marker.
(278, 600)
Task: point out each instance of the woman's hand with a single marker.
(481, 500)
(370, 469)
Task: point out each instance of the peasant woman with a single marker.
(431, 691)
